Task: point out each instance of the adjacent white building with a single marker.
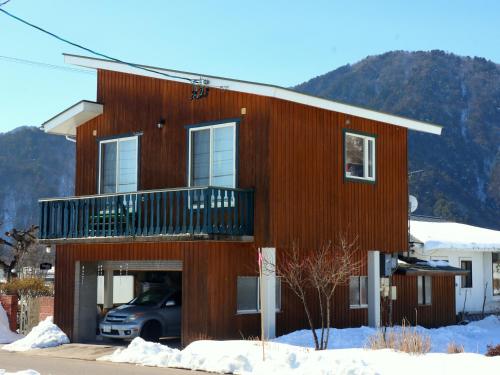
(467, 247)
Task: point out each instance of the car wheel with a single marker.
(151, 331)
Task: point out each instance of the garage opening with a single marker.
(120, 300)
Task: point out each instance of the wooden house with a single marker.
(182, 172)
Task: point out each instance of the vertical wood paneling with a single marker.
(291, 154)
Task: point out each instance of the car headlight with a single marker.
(133, 317)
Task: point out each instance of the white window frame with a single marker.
(278, 285)
(360, 305)
(211, 128)
(366, 156)
(118, 140)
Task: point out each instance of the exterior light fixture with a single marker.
(48, 249)
(161, 124)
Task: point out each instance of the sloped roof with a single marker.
(415, 266)
(253, 88)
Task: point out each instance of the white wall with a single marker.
(481, 273)
(123, 289)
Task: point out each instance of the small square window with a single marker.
(248, 294)
(359, 156)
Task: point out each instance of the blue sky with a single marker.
(278, 42)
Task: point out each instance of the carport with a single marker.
(118, 279)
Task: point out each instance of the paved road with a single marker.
(64, 366)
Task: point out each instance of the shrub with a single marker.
(404, 340)
(30, 287)
(493, 351)
(454, 348)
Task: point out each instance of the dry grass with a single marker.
(407, 340)
(454, 348)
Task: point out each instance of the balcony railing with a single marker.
(170, 212)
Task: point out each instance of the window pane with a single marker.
(108, 167)
(127, 178)
(200, 157)
(371, 158)
(278, 294)
(354, 291)
(420, 290)
(223, 157)
(496, 273)
(363, 290)
(248, 289)
(428, 290)
(354, 156)
(466, 279)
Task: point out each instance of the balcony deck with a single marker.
(183, 214)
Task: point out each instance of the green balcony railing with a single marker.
(185, 211)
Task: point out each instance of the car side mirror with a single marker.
(170, 303)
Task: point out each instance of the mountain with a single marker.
(32, 165)
(461, 168)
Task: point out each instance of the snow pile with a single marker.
(438, 235)
(474, 336)
(24, 372)
(143, 353)
(6, 335)
(293, 353)
(245, 357)
(45, 335)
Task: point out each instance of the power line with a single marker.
(5, 2)
(92, 51)
(44, 65)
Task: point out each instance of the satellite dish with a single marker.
(413, 203)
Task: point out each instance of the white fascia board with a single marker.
(66, 122)
(257, 89)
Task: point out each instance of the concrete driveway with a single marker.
(61, 361)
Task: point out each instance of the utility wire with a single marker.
(44, 65)
(5, 2)
(90, 50)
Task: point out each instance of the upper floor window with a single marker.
(359, 156)
(212, 154)
(118, 165)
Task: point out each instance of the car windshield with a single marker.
(150, 297)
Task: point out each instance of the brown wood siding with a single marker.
(209, 282)
(441, 312)
(291, 154)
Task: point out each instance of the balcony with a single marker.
(169, 214)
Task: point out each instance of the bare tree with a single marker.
(21, 243)
(318, 272)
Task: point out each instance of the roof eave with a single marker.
(66, 122)
(257, 89)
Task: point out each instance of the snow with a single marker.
(293, 354)
(6, 335)
(24, 372)
(45, 335)
(446, 235)
(434, 263)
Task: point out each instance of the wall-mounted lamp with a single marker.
(48, 249)
(161, 123)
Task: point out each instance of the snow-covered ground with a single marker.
(292, 354)
(45, 335)
(474, 336)
(24, 372)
